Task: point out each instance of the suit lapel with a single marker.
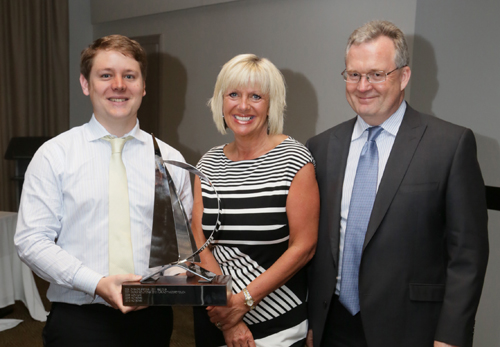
(406, 142)
(338, 150)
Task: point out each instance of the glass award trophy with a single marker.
(173, 245)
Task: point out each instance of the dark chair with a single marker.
(22, 149)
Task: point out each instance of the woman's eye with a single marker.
(233, 94)
(129, 77)
(106, 75)
(256, 97)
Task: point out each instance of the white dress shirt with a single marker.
(62, 230)
(384, 144)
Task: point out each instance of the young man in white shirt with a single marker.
(62, 231)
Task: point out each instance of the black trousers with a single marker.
(98, 325)
(341, 328)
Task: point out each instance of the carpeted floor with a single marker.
(26, 334)
(29, 332)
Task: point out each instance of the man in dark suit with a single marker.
(403, 243)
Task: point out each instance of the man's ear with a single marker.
(85, 85)
(405, 76)
(144, 93)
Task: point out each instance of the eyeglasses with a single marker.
(372, 77)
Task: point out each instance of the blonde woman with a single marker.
(270, 211)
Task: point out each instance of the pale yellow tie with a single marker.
(121, 260)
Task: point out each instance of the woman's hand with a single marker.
(230, 315)
(442, 344)
(309, 338)
(239, 336)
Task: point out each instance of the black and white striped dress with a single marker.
(254, 234)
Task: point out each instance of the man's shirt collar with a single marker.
(95, 131)
(391, 125)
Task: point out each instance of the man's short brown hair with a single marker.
(373, 30)
(119, 43)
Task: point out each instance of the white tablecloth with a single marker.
(16, 279)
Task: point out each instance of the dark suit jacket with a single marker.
(426, 247)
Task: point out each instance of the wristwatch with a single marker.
(248, 299)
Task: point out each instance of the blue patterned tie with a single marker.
(360, 209)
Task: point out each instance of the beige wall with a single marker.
(455, 77)
(110, 10)
(304, 39)
(80, 36)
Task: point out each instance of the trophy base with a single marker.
(178, 291)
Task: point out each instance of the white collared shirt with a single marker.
(62, 229)
(384, 144)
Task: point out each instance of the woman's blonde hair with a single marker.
(247, 70)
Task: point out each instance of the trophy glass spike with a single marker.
(173, 245)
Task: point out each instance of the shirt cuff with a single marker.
(86, 280)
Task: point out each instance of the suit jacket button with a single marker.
(325, 304)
